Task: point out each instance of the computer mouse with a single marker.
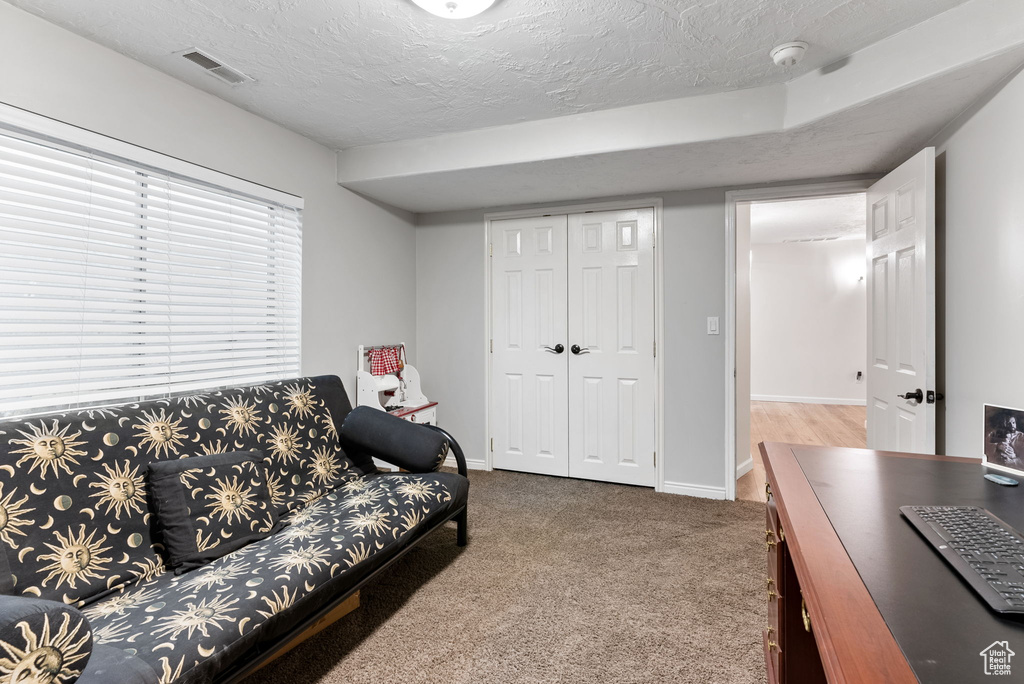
(1001, 480)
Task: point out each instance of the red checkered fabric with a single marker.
(383, 360)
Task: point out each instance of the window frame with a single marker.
(148, 163)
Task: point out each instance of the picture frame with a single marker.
(1003, 447)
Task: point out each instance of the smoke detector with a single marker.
(215, 67)
(788, 54)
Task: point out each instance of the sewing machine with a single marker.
(399, 396)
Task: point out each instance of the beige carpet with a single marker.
(563, 581)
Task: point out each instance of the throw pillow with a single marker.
(208, 506)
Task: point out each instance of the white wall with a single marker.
(451, 325)
(808, 322)
(980, 227)
(358, 257)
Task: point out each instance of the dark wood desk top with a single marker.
(885, 607)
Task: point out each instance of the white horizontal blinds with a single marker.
(119, 283)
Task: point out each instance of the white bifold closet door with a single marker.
(529, 390)
(573, 374)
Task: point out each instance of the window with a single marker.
(119, 281)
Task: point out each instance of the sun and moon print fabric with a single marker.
(207, 506)
(184, 626)
(45, 643)
(75, 520)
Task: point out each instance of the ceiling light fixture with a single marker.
(455, 9)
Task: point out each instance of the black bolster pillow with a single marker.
(407, 445)
(56, 636)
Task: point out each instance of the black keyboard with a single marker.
(986, 552)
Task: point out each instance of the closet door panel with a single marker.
(529, 383)
(611, 318)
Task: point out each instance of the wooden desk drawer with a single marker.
(774, 593)
(771, 656)
(775, 548)
(791, 654)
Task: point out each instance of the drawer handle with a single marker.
(769, 581)
(771, 595)
(804, 615)
(772, 646)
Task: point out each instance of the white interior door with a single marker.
(529, 405)
(901, 307)
(611, 322)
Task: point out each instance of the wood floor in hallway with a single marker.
(818, 424)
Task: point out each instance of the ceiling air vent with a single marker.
(817, 239)
(214, 67)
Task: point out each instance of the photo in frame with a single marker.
(1004, 438)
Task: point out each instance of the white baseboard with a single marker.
(745, 467)
(702, 491)
(808, 400)
(470, 465)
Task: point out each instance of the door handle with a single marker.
(917, 395)
(557, 349)
(577, 349)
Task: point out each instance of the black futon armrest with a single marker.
(412, 447)
(45, 640)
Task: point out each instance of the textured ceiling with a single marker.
(872, 138)
(355, 72)
(825, 217)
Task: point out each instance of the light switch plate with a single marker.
(712, 325)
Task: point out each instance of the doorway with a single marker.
(807, 324)
(798, 296)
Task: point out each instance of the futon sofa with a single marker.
(299, 518)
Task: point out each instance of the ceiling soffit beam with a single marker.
(970, 33)
(657, 124)
(964, 35)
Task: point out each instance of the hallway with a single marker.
(821, 424)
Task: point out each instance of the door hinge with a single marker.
(492, 345)
(655, 348)
(490, 249)
(655, 459)
(492, 444)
